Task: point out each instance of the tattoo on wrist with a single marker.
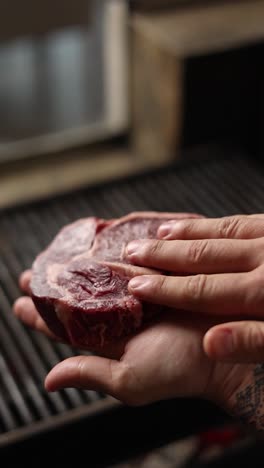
(249, 402)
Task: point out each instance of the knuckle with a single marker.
(155, 248)
(118, 376)
(80, 368)
(254, 337)
(257, 281)
(255, 256)
(254, 291)
(126, 385)
(162, 284)
(196, 286)
(122, 380)
(260, 249)
(198, 250)
(186, 228)
(230, 227)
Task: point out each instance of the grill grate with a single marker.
(213, 188)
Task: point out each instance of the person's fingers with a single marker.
(24, 281)
(233, 294)
(108, 376)
(237, 227)
(197, 256)
(238, 342)
(25, 310)
(256, 215)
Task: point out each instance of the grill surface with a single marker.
(212, 187)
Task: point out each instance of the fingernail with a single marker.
(139, 282)
(224, 344)
(133, 247)
(166, 229)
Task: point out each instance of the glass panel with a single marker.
(57, 89)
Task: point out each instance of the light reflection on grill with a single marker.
(213, 188)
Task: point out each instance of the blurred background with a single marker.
(110, 106)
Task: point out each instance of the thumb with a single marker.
(24, 281)
(92, 373)
(237, 342)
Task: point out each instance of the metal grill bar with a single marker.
(250, 183)
(15, 394)
(223, 186)
(10, 347)
(35, 362)
(8, 421)
(234, 193)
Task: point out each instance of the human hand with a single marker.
(165, 360)
(222, 261)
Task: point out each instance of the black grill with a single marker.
(212, 187)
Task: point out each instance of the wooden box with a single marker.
(208, 48)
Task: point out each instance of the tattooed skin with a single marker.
(249, 402)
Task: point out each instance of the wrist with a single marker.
(240, 393)
(247, 402)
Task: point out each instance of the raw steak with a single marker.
(79, 283)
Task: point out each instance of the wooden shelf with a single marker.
(164, 44)
(203, 29)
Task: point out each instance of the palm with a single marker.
(170, 353)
